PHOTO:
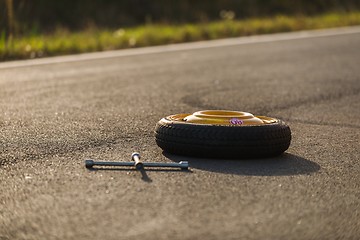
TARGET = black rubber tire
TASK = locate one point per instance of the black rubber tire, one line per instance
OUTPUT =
(237, 142)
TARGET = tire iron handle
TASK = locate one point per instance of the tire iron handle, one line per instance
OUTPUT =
(136, 158)
(90, 163)
(184, 165)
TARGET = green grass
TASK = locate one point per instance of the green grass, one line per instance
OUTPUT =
(64, 42)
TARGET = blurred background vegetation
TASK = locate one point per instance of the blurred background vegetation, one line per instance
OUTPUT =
(36, 28)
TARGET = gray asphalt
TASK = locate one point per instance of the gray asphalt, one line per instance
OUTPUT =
(56, 115)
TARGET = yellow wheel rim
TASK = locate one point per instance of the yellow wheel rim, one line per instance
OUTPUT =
(223, 117)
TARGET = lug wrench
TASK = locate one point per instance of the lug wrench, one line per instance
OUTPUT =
(184, 165)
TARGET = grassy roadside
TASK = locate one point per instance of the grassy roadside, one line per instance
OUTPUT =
(63, 42)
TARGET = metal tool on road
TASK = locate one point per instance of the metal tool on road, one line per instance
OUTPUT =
(136, 158)
(183, 165)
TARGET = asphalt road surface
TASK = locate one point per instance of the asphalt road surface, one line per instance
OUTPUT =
(57, 112)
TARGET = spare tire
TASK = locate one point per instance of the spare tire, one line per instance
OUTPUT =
(222, 134)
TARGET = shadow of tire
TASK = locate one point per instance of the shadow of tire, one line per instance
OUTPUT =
(283, 165)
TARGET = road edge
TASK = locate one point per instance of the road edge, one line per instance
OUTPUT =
(184, 46)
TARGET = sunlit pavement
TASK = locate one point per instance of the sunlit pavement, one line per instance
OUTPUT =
(54, 115)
